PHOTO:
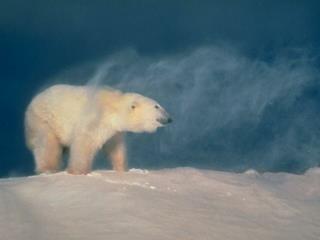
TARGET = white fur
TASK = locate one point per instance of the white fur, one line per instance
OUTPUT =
(85, 119)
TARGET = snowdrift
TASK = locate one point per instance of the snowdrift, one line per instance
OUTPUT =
(182, 203)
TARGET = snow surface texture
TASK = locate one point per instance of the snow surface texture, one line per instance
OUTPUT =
(182, 203)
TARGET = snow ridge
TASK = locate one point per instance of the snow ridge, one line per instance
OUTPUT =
(182, 203)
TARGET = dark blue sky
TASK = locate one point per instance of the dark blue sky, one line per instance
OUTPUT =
(39, 39)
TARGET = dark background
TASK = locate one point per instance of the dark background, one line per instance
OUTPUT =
(39, 39)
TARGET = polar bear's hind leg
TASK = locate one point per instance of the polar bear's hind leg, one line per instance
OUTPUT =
(45, 146)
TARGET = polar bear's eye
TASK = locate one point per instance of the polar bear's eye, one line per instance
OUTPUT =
(133, 106)
(156, 106)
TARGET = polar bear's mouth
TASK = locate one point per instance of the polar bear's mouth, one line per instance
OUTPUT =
(164, 121)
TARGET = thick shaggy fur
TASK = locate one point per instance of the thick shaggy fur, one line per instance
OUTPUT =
(86, 120)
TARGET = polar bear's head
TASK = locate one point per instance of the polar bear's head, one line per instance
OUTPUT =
(144, 114)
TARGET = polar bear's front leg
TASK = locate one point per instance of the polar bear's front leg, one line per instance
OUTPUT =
(115, 148)
(82, 153)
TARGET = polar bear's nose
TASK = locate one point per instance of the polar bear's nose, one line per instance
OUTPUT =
(164, 120)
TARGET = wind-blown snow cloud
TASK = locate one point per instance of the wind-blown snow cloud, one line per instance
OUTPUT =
(230, 112)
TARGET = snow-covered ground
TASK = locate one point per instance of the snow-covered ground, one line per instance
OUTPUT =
(177, 204)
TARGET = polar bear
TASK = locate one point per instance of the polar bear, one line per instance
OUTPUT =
(86, 119)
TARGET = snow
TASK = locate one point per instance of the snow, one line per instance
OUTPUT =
(182, 203)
